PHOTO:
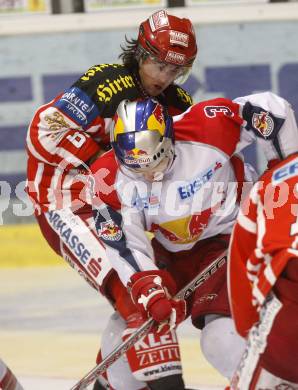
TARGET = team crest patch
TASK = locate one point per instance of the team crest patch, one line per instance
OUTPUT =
(263, 123)
(110, 231)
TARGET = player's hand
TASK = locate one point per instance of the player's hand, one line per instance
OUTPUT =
(151, 292)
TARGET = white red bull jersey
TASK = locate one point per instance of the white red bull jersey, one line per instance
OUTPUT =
(65, 133)
(264, 239)
(197, 197)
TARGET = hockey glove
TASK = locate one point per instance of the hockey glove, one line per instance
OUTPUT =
(151, 292)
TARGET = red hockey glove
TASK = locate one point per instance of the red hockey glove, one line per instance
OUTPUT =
(151, 292)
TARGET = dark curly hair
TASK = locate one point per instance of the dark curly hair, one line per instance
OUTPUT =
(129, 54)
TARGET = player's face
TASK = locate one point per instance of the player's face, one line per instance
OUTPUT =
(156, 76)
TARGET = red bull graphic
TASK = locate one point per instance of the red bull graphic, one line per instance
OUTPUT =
(110, 231)
(157, 112)
(263, 123)
(185, 230)
(136, 156)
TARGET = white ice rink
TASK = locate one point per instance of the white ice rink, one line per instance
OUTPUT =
(50, 326)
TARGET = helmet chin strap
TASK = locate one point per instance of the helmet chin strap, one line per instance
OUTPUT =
(158, 176)
(140, 86)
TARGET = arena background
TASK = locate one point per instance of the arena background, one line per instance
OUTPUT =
(50, 321)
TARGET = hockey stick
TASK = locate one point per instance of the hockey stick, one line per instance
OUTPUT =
(144, 329)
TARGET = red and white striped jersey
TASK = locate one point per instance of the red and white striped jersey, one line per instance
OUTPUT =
(264, 239)
(65, 133)
(196, 198)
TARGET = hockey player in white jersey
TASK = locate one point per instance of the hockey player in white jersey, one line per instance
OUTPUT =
(182, 180)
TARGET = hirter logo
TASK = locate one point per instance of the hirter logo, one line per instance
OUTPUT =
(178, 38)
(175, 58)
(158, 20)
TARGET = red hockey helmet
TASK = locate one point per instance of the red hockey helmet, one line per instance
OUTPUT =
(169, 39)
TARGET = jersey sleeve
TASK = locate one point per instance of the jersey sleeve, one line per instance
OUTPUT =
(214, 122)
(265, 119)
(75, 126)
(269, 121)
(263, 242)
(177, 99)
(64, 132)
(242, 246)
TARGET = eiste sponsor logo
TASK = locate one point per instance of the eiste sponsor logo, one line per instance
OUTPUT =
(188, 190)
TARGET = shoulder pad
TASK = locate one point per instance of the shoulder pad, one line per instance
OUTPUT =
(177, 98)
(107, 85)
(101, 71)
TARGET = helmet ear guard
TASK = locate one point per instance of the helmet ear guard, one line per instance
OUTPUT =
(142, 135)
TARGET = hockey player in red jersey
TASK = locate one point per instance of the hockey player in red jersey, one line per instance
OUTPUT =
(72, 130)
(184, 187)
(263, 281)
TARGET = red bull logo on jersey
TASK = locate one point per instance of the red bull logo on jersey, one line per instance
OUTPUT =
(136, 156)
(263, 123)
(110, 231)
(185, 230)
